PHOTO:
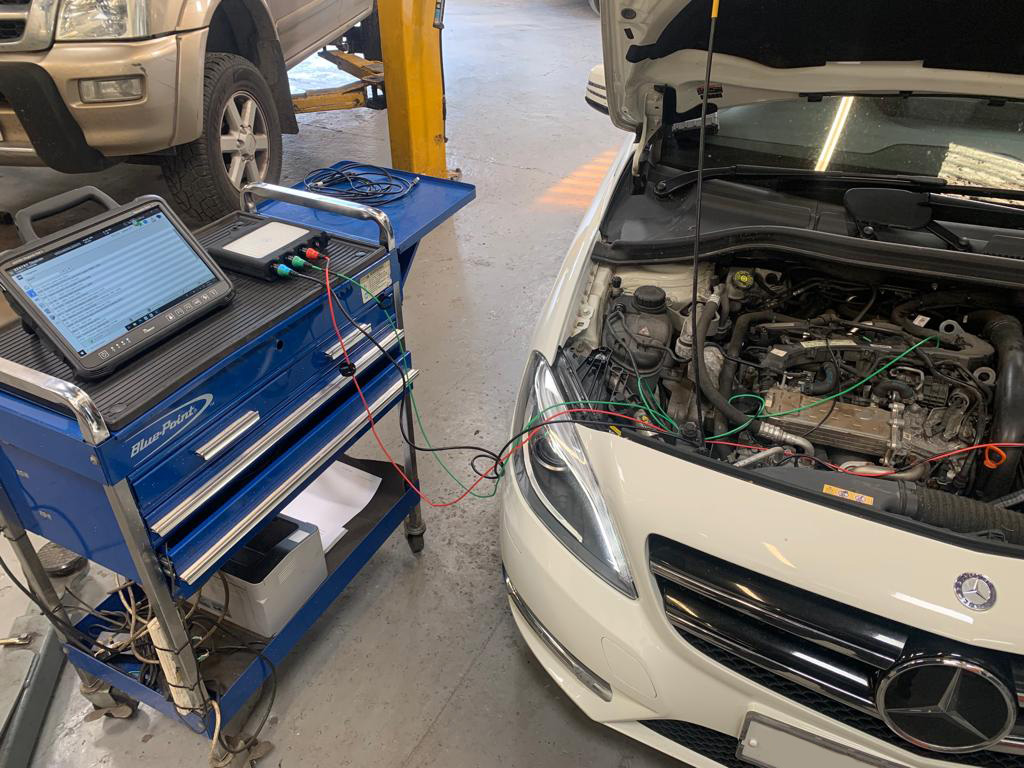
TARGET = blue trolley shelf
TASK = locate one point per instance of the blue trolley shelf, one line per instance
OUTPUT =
(249, 434)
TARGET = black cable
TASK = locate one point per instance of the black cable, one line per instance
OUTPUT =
(698, 349)
(867, 307)
(73, 634)
(740, 361)
(584, 422)
(405, 390)
(339, 303)
(492, 456)
(360, 183)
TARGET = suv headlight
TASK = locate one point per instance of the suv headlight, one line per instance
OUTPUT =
(556, 478)
(102, 19)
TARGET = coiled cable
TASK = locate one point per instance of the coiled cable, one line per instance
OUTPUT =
(360, 183)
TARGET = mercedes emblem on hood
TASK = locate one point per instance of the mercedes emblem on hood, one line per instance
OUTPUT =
(946, 704)
(975, 591)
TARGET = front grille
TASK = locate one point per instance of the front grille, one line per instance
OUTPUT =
(872, 726)
(704, 741)
(11, 30)
(814, 651)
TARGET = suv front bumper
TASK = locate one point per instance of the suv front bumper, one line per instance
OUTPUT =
(43, 120)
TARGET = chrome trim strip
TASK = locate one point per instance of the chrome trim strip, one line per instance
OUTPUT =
(1013, 745)
(247, 523)
(235, 430)
(250, 192)
(776, 618)
(202, 494)
(689, 625)
(580, 671)
(53, 390)
(13, 12)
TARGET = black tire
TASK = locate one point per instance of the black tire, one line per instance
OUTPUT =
(415, 543)
(197, 173)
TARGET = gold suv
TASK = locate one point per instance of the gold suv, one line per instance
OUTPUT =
(199, 86)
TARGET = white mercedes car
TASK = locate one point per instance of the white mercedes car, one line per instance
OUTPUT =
(768, 511)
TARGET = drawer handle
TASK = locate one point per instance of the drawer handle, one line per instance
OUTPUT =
(212, 486)
(334, 352)
(193, 572)
(235, 430)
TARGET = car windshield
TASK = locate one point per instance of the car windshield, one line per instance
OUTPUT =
(965, 141)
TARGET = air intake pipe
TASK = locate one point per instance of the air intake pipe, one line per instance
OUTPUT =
(908, 499)
(1006, 334)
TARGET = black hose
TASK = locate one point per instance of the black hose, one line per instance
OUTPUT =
(909, 499)
(1007, 335)
(882, 389)
(828, 384)
(972, 348)
(867, 307)
(707, 384)
(902, 313)
(732, 354)
(963, 515)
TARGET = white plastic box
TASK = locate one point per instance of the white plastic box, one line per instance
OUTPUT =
(271, 578)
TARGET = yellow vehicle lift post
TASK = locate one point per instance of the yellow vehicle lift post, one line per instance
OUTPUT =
(410, 36)
(413, 79)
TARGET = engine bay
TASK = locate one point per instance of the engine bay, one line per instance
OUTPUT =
(907, 389)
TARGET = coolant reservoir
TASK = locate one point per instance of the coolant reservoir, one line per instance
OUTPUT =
(639, 325)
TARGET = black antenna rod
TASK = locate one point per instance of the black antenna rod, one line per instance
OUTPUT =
(698, 349)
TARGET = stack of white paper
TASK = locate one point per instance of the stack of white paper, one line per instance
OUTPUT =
(333, 499)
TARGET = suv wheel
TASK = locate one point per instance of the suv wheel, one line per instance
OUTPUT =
(240, 143)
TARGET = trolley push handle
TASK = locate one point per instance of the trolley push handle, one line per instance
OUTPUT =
(250, 193)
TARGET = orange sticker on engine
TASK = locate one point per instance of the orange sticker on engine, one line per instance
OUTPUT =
(843, 493)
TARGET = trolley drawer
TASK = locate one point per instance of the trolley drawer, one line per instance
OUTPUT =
(209, 450)
(254, 433)
(218, 529)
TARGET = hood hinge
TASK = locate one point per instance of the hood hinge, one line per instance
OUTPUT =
(653, 106)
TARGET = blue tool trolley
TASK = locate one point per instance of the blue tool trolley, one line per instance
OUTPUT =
(165, 494)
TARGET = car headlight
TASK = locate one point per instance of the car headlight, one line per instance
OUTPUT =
(101, 19)
(556, 478)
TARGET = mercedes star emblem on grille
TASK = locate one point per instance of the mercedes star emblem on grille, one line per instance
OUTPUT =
(975, 591)
(946, 704)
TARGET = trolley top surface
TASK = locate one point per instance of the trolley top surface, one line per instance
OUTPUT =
(430, 203)
(130, 392)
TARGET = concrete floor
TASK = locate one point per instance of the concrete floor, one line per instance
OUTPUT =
(419, 663)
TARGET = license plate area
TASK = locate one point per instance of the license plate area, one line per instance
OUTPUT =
(770, 743)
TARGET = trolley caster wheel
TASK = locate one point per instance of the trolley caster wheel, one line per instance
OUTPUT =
(123, 710)
(415, 543)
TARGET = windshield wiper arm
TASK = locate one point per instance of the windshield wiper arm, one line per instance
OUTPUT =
(669, 186)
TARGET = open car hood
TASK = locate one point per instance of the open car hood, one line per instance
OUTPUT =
(784, 49)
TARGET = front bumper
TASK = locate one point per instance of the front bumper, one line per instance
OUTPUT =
(43, 120)
(664, 692)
